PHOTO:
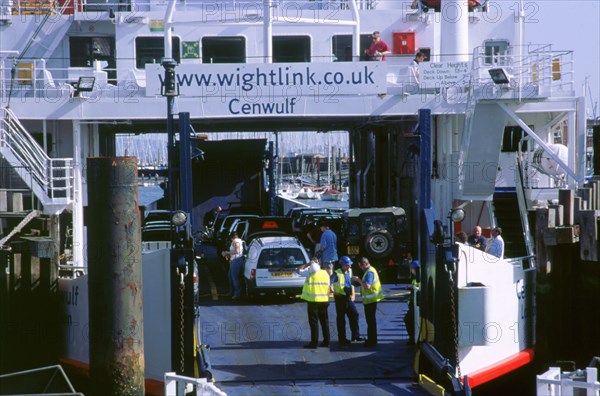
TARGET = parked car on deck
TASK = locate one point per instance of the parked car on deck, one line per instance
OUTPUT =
(222, 235)
(296, 213)
(380, 234)
(271, 264)
(252, 228)
(309, 224)
(157, 215)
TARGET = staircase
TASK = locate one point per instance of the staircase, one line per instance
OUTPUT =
(480, 149)
(50, 179)
(508, 217)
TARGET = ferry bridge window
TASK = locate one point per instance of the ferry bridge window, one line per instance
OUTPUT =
(511, 138)
(291, 49)
(223, 50)
(152, 50)
(496, 52)
(84, 50)
(342, 42)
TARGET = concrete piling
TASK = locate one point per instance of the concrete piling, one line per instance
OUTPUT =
(115, 278)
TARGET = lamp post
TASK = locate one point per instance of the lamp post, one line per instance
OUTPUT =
(455, 215)
(170, 91)
(179, 202)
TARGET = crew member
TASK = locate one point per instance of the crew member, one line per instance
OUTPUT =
(344, 295)
(370, 290)
(316, 293)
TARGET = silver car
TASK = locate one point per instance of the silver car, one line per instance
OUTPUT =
(271, 264)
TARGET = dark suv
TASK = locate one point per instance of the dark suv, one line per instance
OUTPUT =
(379, 234)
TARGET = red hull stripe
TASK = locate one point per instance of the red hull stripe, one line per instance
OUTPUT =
(502, 367)
(82, 370)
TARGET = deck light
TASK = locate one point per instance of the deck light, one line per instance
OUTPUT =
(85, 84)
(178, 218)
(457, 215)
(500, 76)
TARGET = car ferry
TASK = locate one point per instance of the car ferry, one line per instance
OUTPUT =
(482, 122)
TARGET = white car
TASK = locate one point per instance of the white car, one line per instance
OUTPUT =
(271, 264)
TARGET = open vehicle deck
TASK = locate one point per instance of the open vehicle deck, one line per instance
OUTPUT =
(257, 345)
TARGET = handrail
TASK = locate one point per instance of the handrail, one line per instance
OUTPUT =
(541, 66)
(546, 70)
(520, 189)
(53, 176)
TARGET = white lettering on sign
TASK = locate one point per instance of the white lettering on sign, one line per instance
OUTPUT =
(445, 73)
(271, 88)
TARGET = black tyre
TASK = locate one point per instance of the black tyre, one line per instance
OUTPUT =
(249, 294)
(379, 244)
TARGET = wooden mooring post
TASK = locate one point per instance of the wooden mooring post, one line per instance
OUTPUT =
(568, 281)
(115, 278)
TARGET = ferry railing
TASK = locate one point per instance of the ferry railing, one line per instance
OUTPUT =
(523, 212)
(33, 79)
(51, 179)
(181, 385)
(18, 188)
(79, 6)
(550, 70)
(554, 382)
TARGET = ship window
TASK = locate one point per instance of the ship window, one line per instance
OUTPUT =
(511, 138)
(291, 49)
(496, 52)
(152, 50)
(342, 43)
(223, 50)
(84, 50)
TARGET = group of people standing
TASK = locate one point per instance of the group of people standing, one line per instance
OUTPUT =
(320, 283)
(479, 241)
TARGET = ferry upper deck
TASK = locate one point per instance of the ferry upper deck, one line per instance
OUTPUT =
(241, 62)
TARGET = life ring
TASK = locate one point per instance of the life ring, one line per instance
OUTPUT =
(379, 243)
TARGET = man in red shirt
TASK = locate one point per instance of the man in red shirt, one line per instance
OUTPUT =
(378, 49)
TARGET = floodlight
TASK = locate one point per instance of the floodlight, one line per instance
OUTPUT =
(457, 215)
(85, 84)
(500, 76)
(178, 218)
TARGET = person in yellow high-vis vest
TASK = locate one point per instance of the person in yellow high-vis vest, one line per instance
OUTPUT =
(344, 295)
(316, 293)
(371, 292)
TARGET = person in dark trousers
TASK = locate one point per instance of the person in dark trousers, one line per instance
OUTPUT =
(316, 293)
(344, 295)
(236, 265)
(328, 247)
(371, 292)
(409, 318)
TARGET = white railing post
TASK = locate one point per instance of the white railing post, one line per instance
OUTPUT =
(592, 378)
(177, 385)
(553, 383)
(548, 383)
